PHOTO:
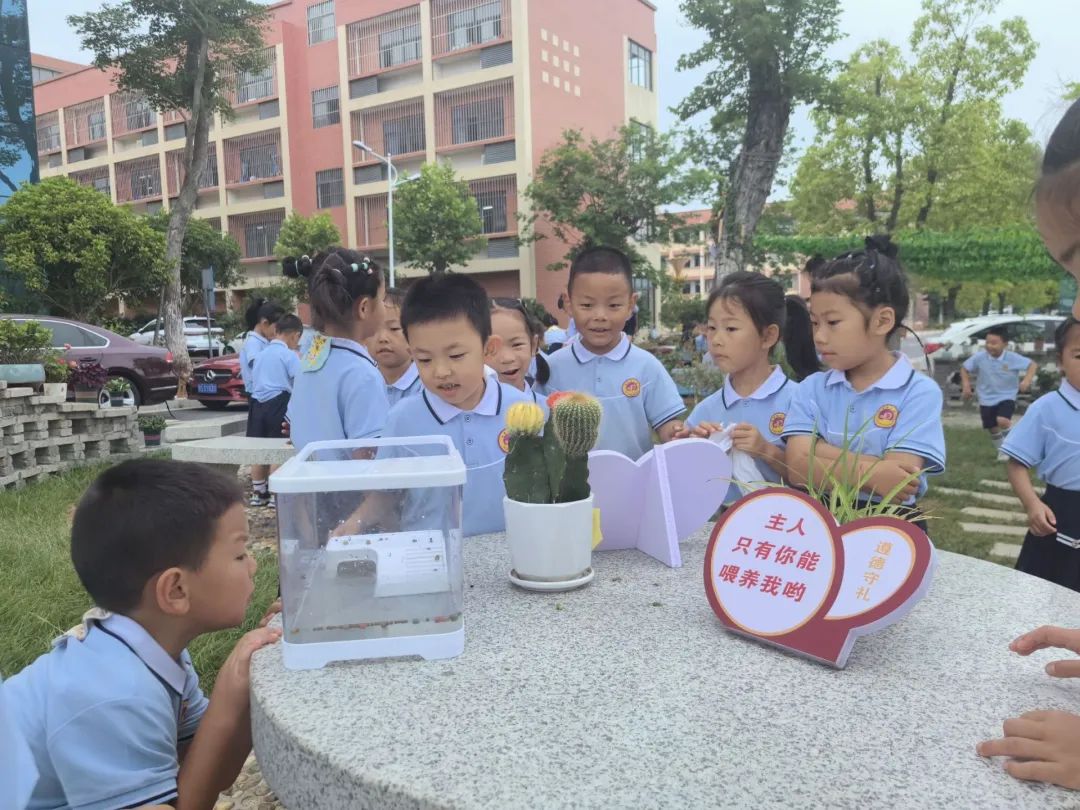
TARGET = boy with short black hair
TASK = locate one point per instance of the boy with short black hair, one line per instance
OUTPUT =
(273, 375)
(997, 383)
(447, 321)
(113, 714)
(636, 391)
(391, 351)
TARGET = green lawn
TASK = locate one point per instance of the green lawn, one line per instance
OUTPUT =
(40, 596)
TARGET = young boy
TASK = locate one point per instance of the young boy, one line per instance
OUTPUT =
(997, 374)
(390, 349)
(447, 321)
(113, 714)
(636, 391)
(273, 374)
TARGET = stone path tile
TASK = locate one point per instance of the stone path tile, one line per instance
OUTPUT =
(1001, 498)
(1010, 550)
(994, 528)
(1003, 485)
(994, 514)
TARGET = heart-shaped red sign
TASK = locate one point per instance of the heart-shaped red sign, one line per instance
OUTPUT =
(779, 569)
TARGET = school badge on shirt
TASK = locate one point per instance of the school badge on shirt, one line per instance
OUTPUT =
(776, 424)
(631, 387)
(317, 355)
(504, 440)
(886, 416)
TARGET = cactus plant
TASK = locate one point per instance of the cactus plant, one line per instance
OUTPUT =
(553, 468)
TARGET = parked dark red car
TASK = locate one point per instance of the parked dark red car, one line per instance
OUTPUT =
(217, 383)
(149, 369)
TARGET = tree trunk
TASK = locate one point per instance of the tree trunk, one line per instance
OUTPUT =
(195, 149)
(932, 169)
(898, 184)
(950, 303)
(1001, 302)
(754, 170)
(868, 166)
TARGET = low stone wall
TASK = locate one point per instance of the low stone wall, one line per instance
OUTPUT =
(43, 435)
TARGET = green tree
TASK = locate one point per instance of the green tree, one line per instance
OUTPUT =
(306, 236)
(204, 246)
(180, 54)
(18, 133)
(75, 251)
(767, 56)
(610, 192)
(437, 224)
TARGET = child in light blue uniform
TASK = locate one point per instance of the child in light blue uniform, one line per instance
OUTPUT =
(259, 318)
(997, 383)
(273, 375)
(339, 393)
(1048, 439)
(447, 320)
(749, 315)
(635, 390)
(113, 715)
(391, 352)
(519, 361)
(877, 420)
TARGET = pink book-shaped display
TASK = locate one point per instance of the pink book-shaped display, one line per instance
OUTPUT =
(661, 499)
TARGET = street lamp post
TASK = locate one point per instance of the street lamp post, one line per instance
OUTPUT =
(392, 174)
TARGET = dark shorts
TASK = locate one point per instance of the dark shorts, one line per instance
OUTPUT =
(991, 413)
(1056, 557)
(265, 418)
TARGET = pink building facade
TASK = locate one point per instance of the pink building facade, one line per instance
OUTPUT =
(487, 85)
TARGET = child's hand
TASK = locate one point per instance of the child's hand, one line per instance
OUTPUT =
(965, 394)
(1046, 637)
(1025, 386)
(271, 612)
(1041, 746)
(234, 677)
(748, 438)
(892, 474)
(1041, 520)
(701, 431)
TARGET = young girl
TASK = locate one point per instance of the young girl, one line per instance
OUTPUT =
(339, 393)
(877, 420)
(749, 316)
(520, 334)
(259, 318)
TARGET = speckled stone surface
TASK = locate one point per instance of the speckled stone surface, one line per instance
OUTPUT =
(629, 694)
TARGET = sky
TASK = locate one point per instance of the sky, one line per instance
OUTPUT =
(1037, 102)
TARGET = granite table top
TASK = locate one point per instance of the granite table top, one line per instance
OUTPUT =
(628, 693)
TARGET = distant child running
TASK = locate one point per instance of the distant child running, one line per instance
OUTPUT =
(391, 352)
(997, 382)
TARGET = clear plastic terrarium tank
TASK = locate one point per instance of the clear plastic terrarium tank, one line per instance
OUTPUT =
(370, 540)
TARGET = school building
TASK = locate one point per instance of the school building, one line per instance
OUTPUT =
(487, 85)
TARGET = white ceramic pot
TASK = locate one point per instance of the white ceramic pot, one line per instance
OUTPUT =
(55, 390)
(550, 542)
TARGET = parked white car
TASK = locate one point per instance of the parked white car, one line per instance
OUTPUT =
(199, 344)
(1025, 333)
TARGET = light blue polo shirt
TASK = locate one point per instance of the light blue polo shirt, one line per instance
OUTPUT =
(18, 773)
(104, 716)
(480, 439)
(1048, 438)
(766, 409)
(344, 398)
(254, 343)
(405, 386)
(901, 412)
(997, 379)
(274, 371)
(635, 390)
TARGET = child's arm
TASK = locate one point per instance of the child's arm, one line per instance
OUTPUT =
(880, 475)
(965, 382)
(223, 741)
(748, 438)
(671, 430)
(1025, 384)
(1041, 518)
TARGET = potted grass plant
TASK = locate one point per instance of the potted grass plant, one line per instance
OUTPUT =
(87, 376)
(56, 376)
(23, 348)
(151, 424)
(548, 504)
(118, 389)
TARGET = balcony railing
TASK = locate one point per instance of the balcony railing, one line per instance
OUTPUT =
(477, 114)
(84, 123)
(138, 180)
(393, 129)
(257, 84)
(131, 112)
(253, 158)
(48, 132)
(460, 24)
(371, 222)
(497, 199)
(174, 170)
(385, 42)
(257, 233)
(97, 179)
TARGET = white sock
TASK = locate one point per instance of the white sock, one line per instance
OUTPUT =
(259, 487)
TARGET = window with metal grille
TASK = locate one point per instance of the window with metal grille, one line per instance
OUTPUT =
(399, 46)
(492, 205)
(101, 184)
(325, 107)
(254, 84)
(475, 26)
(320, 22)
(260, 238)
(145, 181)
(48, 137)
(403, 136)
(95, 123)
(479, 121)
(330, 188)
(136, 111)
(259, 162)
(640, 64)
